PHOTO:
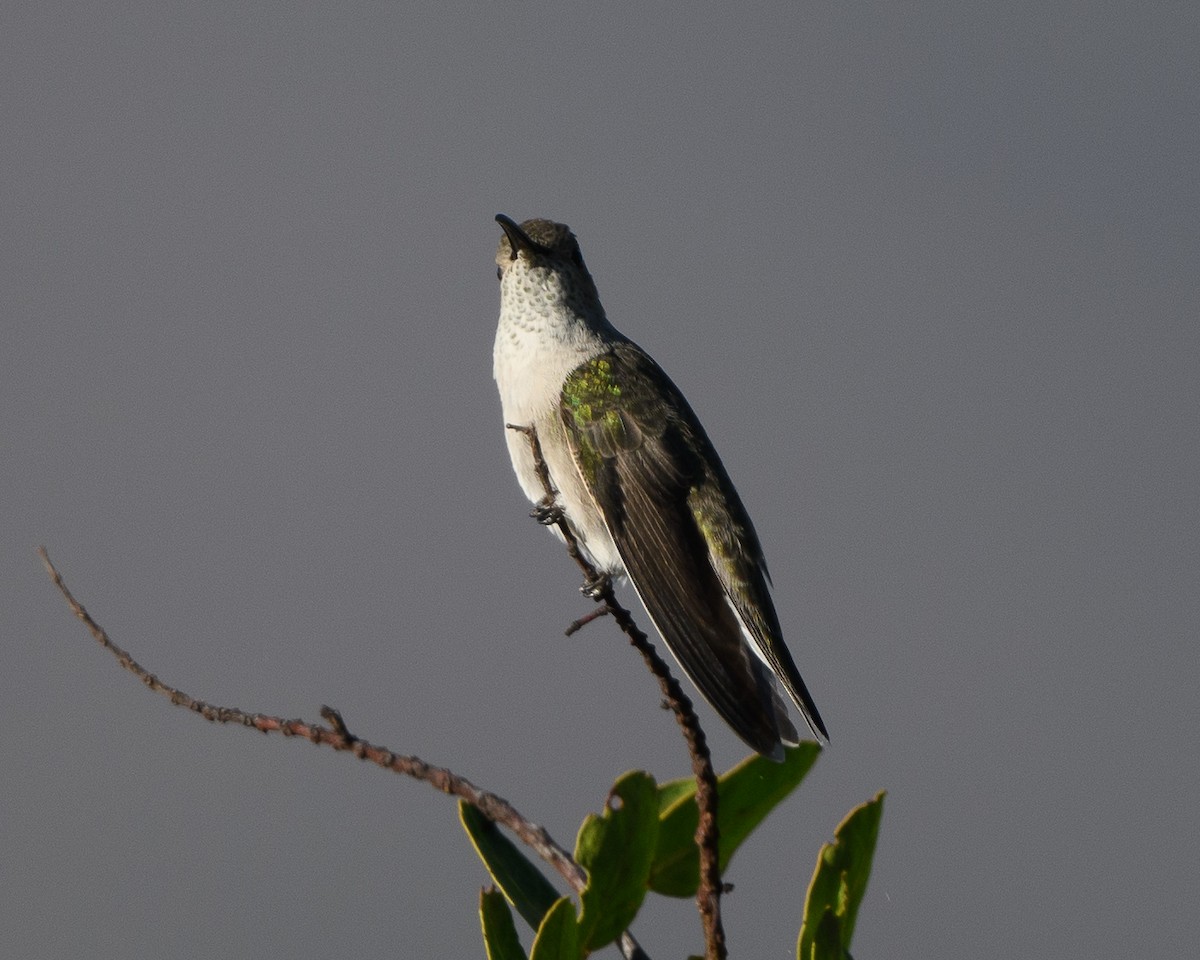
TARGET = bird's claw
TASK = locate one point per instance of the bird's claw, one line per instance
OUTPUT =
(547, 511)
(596, 587)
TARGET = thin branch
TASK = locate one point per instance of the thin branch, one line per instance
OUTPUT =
(339, 737)
(576, 625)
(708, 896)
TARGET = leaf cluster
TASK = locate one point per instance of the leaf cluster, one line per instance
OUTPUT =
(644, 841)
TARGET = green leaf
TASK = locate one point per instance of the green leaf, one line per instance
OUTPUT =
(525, 886)
(558, 936)
(673, 791)
(616, 850)
(499, 933)
(839, 882)
(827, 944)
(745, 795)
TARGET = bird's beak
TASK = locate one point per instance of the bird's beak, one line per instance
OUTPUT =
(518, 239)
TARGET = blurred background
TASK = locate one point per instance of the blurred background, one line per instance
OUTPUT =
(927, 272)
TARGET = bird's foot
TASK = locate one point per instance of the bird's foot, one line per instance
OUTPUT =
(547, 511)
(597, 587)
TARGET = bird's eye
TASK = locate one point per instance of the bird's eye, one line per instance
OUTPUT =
(499, 273)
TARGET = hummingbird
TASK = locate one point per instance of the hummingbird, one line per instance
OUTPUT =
(639, 483)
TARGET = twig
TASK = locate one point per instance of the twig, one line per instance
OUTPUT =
(708, 896)
(576, 625)
(339, 737)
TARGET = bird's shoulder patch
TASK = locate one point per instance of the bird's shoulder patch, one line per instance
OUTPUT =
(608, 402)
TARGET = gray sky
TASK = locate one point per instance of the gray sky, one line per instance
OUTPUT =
(926, 271)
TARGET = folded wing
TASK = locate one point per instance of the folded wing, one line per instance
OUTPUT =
(684, 538)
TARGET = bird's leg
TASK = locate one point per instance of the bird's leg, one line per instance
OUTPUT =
(597, 587)
(547, 511)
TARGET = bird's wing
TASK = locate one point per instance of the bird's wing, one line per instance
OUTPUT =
(637, 456)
